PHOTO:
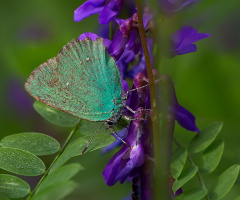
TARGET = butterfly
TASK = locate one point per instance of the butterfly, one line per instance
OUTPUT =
(82, 80)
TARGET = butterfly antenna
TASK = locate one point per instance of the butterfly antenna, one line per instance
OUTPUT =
(91, 139)
(114, 133)
(131, 90)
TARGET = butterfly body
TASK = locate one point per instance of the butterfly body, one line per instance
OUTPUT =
(82, 80)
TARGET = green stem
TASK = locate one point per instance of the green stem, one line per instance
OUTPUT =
(199, 175)
(72, 133)
(110, 31)
(161, 182)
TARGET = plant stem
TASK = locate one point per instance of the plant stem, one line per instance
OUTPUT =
(161, 164)
(199, 175)
(110, 30)
(72, 133)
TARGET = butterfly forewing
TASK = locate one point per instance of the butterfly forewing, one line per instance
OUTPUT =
(82, 80)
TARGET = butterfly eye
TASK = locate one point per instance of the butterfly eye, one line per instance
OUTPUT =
(110, 123)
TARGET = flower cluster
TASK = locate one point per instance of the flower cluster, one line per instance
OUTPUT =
(126, 48)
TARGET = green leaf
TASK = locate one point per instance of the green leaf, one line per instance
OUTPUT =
(4, 198)
(202, 140)
(36, 143)
(20, 162)
(193, 194)
(89, 128)
(76, 148)
(224, 183)
(64, 173)
(238, 198)
(178, 160)
(13, 187)
(186, 175)
(55, 116)
(211, 157)
(56, 191)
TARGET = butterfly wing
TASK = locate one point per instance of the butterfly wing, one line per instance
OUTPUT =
(82, 80)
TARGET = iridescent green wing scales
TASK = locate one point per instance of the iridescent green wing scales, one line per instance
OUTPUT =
(82, 80)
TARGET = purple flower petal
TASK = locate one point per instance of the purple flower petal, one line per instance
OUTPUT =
(134, 43)
(110, 11)
(118, 45)
(93, 37)
(107, 10)
(183, 39)
(185, 118)
(126, 26)
(131, 159)
(189, 49)
(88, 8)
(124, 85)
(107, 15)
(119, 21)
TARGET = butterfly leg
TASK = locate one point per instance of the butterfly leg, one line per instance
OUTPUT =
(131, 90)
(130, 119)
(91, 139)
(134, 111)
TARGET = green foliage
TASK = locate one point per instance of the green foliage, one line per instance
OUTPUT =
(193, 194)
(36, 143)
(20, 162)
(186, 175)
(62, 174)
(178, 160)
(209, 153)
(4, 198)
(211, 157)
(56, 191)
(55, 116)
(13, 187)
(205, 138)
(238, 198)
(76, 148)
(224, 183)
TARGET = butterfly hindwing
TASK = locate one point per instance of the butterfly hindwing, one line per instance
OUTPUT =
(82, 80)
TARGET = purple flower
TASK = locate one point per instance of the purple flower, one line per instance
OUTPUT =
(93, 36)
(183, 39)
(134, 164)
(127, 35)
(107, 9)
(126, 159)
(174, 5)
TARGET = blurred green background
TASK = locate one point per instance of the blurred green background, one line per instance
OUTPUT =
(207, 82)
